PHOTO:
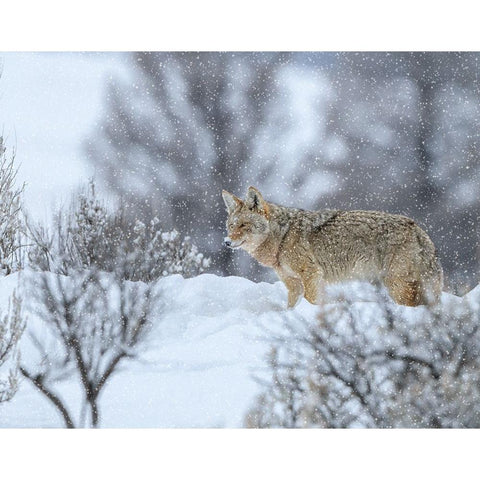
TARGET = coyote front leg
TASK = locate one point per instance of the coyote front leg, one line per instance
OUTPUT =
(294, 286)
(295, 290)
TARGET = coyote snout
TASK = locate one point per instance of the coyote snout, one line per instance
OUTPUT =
(228, 242)
(310, 249)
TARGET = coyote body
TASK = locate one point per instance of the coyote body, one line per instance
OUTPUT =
(311, 249)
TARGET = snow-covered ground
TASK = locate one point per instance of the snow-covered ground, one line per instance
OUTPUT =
(198, 366)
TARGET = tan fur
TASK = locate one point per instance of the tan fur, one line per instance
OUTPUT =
(311, 249)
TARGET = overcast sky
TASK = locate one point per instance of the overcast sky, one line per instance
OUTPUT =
(49, 102)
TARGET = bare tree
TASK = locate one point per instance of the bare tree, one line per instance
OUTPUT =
(373, 366)
(96, 321)
(12, 325)
(11, 229)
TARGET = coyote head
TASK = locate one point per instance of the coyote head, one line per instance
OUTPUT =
(247, 222)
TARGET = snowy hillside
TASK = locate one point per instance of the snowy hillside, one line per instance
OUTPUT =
(197, 367)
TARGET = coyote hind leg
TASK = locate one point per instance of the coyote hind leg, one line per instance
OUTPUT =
(404, 291)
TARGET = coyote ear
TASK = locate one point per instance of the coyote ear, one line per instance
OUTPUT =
(255, 201)
(231, 201)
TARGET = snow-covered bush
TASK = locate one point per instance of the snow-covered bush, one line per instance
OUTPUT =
(11, 329)
(388, 368)
(10, 214)
(154, 253)
(88, 236)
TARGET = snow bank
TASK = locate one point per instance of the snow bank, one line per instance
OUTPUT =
(197, 369)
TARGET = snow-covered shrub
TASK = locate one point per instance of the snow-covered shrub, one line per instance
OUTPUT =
(154, 253)
(88, 236)
(10, 214)
(11, 329)
(88, 233)
(384, 368)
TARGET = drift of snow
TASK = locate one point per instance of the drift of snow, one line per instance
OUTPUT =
(197, 367)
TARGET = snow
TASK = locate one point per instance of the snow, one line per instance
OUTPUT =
(197, 367)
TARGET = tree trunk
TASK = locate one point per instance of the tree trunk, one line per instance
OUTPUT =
(37, 382)
(428, 191)
(95, 412)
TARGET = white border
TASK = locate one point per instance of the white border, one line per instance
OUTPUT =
(238, 454)
(246, 25)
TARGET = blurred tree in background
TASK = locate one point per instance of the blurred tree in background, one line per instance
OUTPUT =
(386, 131)
(180, 132)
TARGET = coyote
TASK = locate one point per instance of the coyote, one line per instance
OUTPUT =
(309, 249)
